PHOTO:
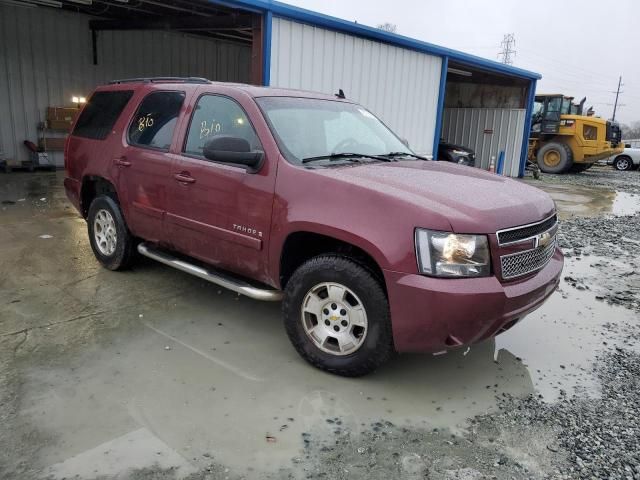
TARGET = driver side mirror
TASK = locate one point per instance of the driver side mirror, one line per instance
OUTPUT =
(233, 150)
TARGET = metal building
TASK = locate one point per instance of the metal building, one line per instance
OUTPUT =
(54, 50)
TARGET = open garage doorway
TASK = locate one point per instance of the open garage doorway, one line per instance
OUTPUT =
(56, 52)
(486, 112)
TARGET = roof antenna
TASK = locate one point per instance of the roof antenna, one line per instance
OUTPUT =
(340, 94)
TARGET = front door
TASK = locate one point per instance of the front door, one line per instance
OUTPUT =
(145, 163)
(221, 213)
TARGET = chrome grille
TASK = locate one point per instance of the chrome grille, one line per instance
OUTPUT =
(518, 234)
(529, 261)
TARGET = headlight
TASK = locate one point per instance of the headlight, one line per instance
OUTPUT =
(444, 254)
(460, 152)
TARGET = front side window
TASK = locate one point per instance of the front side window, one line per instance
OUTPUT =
(101, 113)
(154, 122)
(307, 128)
(216, 115)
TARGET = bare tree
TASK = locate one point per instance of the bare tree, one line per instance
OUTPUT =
(388, 27)
(630, 131)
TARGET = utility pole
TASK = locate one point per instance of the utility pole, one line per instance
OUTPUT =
(507, 54)
(615, 105)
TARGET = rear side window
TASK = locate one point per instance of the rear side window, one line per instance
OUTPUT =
(156, 118)
(101, 113)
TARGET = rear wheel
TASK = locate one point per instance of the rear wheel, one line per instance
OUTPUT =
(555, 157)
(337, 316)
(111, 242)
(623, 163)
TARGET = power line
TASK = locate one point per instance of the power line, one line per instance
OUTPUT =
(508, 53)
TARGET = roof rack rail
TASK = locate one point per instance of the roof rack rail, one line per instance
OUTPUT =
(161, 80)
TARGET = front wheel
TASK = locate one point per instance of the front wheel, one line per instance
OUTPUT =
(111, 242)
(623, 163)
(337, 316)
(555, 157)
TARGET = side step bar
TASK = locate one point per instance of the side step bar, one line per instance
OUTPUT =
(224, 280)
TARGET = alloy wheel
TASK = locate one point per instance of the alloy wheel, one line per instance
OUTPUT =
(334, 318)
(104, 232)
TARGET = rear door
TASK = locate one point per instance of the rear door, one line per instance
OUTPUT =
(221, 213)
(144, 163)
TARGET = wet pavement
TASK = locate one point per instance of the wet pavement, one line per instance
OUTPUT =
(152, 373)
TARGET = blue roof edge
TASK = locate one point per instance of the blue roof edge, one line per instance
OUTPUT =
(284, 10)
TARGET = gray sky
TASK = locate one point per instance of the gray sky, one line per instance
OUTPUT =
(579, 47)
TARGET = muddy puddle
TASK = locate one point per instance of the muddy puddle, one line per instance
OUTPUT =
(157, 369)
(590, 201)
(207, 376)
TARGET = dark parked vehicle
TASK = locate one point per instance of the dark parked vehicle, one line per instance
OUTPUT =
(456, 154)
(309, 198)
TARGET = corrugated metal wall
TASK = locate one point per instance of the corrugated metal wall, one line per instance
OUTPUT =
(467, 127)
(398, 85)
(46, 58)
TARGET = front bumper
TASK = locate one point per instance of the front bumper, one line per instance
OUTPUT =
(432, 314)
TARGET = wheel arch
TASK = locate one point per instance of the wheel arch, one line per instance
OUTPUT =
(303, 244)
(92, 186)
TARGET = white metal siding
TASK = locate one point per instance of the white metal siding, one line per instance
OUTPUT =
(46, 58)
(399, 85)
(466, 127)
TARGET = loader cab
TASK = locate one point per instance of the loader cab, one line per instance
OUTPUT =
(547, 111)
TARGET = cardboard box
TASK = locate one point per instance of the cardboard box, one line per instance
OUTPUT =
(59, 125)
(53, 144)
(66, 114)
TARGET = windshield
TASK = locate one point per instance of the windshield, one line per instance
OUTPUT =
(308, 128)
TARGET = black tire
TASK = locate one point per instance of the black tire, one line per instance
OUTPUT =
(377, 346)
(125, 248)
(580, 167)
(565, 157)
(623, 163)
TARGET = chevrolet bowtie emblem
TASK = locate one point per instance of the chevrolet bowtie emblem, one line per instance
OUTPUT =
(542, 240)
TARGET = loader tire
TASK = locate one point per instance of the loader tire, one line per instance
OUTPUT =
(555, 157)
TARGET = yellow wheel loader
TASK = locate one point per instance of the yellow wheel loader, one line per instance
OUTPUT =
(562, 139)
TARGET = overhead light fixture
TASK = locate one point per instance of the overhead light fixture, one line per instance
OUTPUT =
(456, 71)
(82, 2)
(78, 100)
(15, 3)
(46, 3)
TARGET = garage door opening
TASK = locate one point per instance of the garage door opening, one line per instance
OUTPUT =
(57, 52)
(485, 112)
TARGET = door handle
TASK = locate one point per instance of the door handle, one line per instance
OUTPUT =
(184, 178)
(122, 162)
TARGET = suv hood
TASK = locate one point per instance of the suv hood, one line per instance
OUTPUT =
(470, 199)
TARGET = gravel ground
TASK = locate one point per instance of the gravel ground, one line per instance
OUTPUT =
(575, 437)
(578, 436)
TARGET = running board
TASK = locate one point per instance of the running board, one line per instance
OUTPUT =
(224, 280)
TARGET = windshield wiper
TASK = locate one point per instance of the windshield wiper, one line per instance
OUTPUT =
(339, 156)
(404, 154)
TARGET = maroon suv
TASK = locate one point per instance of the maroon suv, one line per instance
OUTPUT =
(309, 198)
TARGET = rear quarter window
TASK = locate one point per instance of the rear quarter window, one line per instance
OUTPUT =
(101, 113)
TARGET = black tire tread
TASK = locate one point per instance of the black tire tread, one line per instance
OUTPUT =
(125, 253)
(340, 264)
(563, 168)
(615, 162)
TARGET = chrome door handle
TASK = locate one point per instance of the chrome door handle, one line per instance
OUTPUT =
(184, 178)
(122, 162)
